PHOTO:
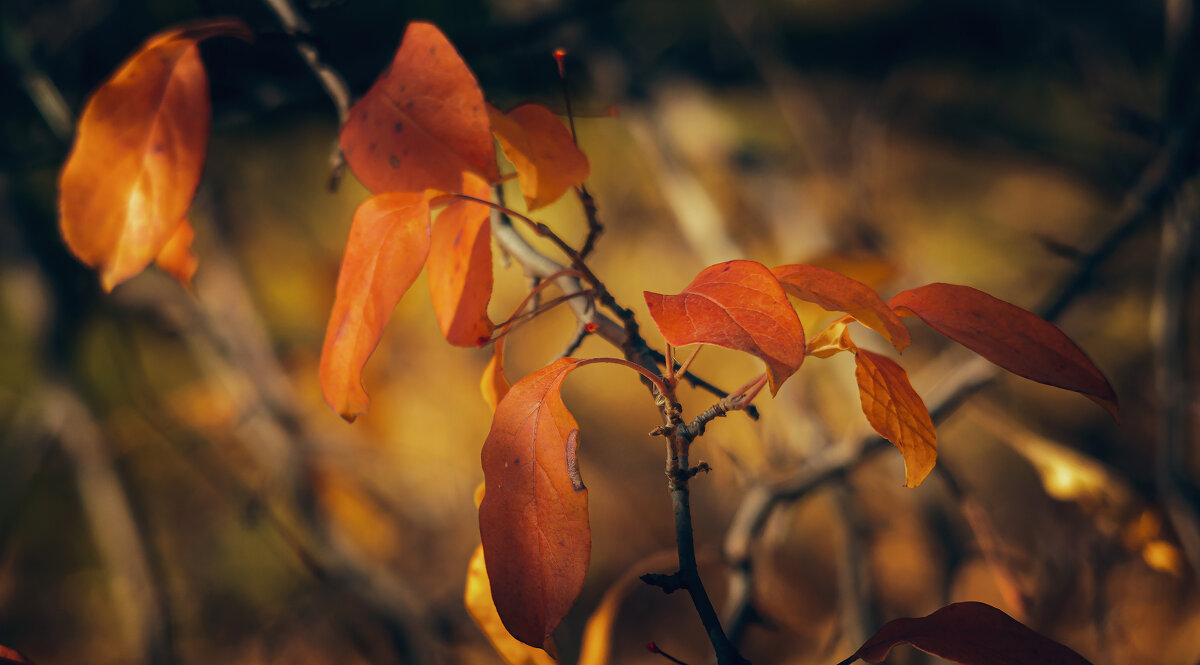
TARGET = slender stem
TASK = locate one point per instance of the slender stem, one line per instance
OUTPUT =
(688, 363)
(669, 367)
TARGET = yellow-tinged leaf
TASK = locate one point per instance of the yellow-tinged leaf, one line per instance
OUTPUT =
(547, 160)
(838, 293)
(478, 599)
(596, 648)
(493, 384)
(176, 258)
(138, 153)
(834, 339)
(460, 267)
(897, 413)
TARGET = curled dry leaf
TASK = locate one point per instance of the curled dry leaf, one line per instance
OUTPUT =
(547, 160)
(970, 633)
(534, 516)
(460, 267)
(389, 239)
(738, 305)
(478, 599)
(176, 258)
(138, 153)
(1013, 338)
(423, 123)
(838, 293)
(897, 413)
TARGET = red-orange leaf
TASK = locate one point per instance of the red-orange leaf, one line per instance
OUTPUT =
(1013, 338)
(138, 154)
(12, 657)
(541, 148)
(533, 520)
(176, 258)
(738, 305)
(423, 124)
(970, 633)
(389, 239)
(839, 293)
(460, 268)
(897, 413)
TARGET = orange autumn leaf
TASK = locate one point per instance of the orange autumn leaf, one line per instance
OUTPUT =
(389, 240)
(460, 268)
(1013, 338)
(478, 599)
(176, 258)
(547, 160)
(897, 413)
(738, 305)
(971, 633)
(834, 339)
(493, 384)
(836, 292)
(138, 153)
(533, 520)
(12, 657)
(423, 123)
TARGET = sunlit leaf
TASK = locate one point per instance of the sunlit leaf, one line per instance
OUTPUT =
(833, 339)
(897, 413)
(534, 516)
(423, 124)
(547, 160)
(389, 239)
(460, 268)
(1013, 338)
(493, 384)
(738, 305)
(837, 293)
(478, 599)
(970, 633)
(596, 648)
(176, 258)
(138, 153)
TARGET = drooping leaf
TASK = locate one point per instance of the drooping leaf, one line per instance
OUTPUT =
(493, 384)
(389, 240)
(423, 123)
(897, 413)
(138, 153)
(460, 268)
(533, 520)
(541, 148)
(738, 305)
(970, 633)
(12, 657)
(837, 293)
(478, 599)
(1013, 338)
(176, 258)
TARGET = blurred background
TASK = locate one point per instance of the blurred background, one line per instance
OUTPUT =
(174, 490)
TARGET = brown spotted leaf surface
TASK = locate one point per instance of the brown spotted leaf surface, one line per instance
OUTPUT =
(138, 153)
(389, 240)
(1013, 338)
(533, 519)
(423, 123)
(738, 305)
(970, 633)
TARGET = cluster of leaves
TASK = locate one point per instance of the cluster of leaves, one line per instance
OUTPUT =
(422, 139)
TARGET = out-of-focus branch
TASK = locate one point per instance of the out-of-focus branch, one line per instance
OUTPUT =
(114, 529)
(335, 85)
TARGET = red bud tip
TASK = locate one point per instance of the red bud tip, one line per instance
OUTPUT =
(591, 327)
(652, 647)
(559, 54)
